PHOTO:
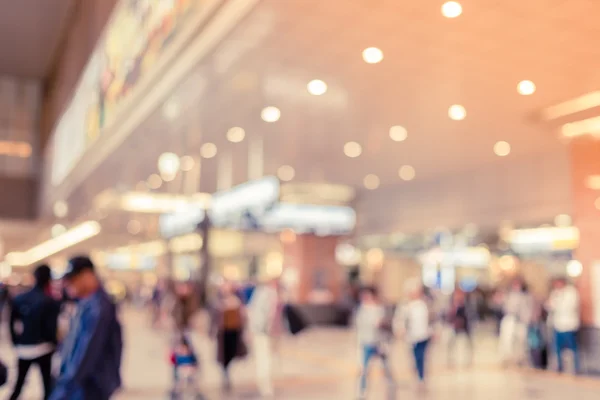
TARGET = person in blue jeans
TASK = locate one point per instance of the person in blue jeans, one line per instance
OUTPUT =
(413, 322)
(564, 306)
(370, 326)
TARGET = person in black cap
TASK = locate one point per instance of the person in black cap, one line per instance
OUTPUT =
(33, 329)
(91, 354)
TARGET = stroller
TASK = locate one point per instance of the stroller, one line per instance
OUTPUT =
(185, 372)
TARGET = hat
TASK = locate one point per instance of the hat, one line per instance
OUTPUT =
(77, 265)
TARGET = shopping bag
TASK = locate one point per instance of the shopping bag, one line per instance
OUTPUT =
(295, 320)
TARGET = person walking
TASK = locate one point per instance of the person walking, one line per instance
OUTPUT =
(264, 314)
(564, 307)
(33, 329)
(459, 321)
(370, 323)
(413, 321)
(91, 353)
(227, 327)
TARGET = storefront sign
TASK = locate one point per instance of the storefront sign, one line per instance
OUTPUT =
(254, 198)
(305, 218)
(181, 223)
(552, 239)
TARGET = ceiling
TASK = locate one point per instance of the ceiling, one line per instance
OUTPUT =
(430, 63)
(30, 33)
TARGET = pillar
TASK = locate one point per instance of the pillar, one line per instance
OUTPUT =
(585, 164)
(310, 260)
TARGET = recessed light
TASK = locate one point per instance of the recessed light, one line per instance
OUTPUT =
(154, 181)
(208, 150)
(526, 88)
(286, 173)
(371, 182)
(168, 165)
(563, 220)
(171, 109)
(502, 149)
(236, 134)
(270, 114)
(58, 229)
(457, 112)
(372, 55)
(317, 87)
(593, 182)
(187, 163)
(407, 173)
(451, 9)
(352, 149)
(60, 209)
(398, 133)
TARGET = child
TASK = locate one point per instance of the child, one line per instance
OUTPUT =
(184, 361)
(536, 340)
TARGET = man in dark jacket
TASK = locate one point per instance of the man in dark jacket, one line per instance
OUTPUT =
(91, 356)
(33, 328)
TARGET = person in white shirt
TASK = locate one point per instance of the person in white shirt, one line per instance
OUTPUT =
(265, 322)
(513, 327)
(564, 307)
(370, 321)
(413, 322)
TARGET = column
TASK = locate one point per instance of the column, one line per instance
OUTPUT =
(585, 173)
(310, 260)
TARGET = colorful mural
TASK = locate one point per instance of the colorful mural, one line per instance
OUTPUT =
(136, 37)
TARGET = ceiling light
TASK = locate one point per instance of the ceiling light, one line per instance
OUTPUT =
(270, 114)
(187, 163)
(574, 268)
(451, 9)
(57, 244)
(593, 182)
(57, 230)
(371, 181)
(407, 173)
(372, 55)
(168, 166)
(208, 150)
(526, 88)
(457, 112)
(317, 87)
(352, 149)
(398, 133)
(154, 181)
(563, 220)
(236, 134)
(60, 209)
(286, 173)
(171, 110)
(502, 149)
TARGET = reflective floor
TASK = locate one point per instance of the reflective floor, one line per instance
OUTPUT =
(321, 364)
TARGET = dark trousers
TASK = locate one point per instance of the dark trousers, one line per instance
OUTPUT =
(45, 365)
(419, 351)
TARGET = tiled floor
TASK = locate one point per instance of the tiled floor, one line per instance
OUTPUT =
(321, 364)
